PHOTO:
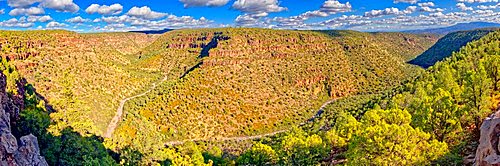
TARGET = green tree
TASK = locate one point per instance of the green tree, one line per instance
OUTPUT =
(259, 154)
(477, 92)
(386, 138)
(299, 148)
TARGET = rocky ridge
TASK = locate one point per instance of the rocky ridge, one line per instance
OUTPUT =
(24, 151)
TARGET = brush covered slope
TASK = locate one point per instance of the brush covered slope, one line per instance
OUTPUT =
(447, 45)
(239, 82)
(83, 76)
(433, 119)
(218, 83)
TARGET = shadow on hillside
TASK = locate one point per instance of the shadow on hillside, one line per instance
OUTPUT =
(67, 147)
(205, 51)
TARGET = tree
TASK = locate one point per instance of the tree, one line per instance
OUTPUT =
(477, 92)
(299, 148)
(259, 154)
(386, 138)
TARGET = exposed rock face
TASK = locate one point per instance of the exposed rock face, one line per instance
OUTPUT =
(12, 152)
(488, 151)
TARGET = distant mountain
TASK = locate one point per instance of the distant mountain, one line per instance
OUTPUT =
(454, 28)
(447, 45)
(154, 31)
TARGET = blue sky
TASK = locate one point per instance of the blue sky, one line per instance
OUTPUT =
(126, 15)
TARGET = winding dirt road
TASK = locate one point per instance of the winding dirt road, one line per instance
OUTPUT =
(244, 138)
(119, 112)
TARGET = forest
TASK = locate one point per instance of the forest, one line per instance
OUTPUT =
(212, 85)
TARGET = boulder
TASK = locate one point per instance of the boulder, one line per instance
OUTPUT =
(488, 151)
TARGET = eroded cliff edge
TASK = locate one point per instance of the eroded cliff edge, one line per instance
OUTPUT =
(13, 151)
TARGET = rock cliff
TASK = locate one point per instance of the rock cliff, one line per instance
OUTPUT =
(488, 151)
(13, 152)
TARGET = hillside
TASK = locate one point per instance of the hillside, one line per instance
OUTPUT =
(455, 28)
(83, 75)
(433, 119)
(239, 82)
(190, 84)
(447, 45)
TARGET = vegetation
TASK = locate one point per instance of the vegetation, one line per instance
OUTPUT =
(256, 81)
(431, 120)
(239, 82)
(447, 45)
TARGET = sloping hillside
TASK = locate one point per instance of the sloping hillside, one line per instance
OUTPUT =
(232, 82)
(84, 76)
(431, 120)
(447, 45)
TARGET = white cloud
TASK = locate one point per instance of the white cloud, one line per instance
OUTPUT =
(2, 11)
(484, 7)
(21, 3)
(105, 9)
(258, 6)
(406, 1)
(27, 11)
(61, 5)
(196, 3)
(426, 4)
(251, 20)
(16, 23)
(431, 10)
(477, 1)
(390, 11)
(39, 18)
(54, 24)
(463, 7)
(145, 13)
(328, 8)
(77, 19)
(334, 6)
(410, 9)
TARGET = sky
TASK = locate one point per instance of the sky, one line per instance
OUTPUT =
(133, 15)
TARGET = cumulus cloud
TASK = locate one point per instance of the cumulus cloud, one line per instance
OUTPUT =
(135, 22)
(426, 4)
(54, 24)
(197, 3)
(258, 6)
(255, 10)
(328, 8)
(27, 11)
(463, 7)
(406, 1)
(252, 20)
(145, 13)
(431, 10)
(484, 7)
(39, 18)
(390, 11)
(2, 11)
(105, 9)
(476, 1)
(16, 23)
(77, 19)
(61, 5)
(334, 6)
(21, 3)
